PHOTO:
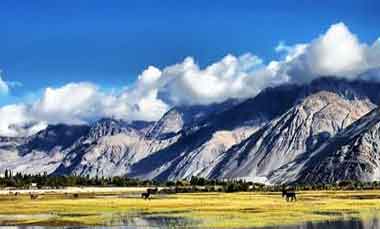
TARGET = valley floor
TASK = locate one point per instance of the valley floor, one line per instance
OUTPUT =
(213, 210)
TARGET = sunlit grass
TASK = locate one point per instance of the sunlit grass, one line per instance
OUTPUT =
(206, 209)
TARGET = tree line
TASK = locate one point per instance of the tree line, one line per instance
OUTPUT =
(195, 184)
(44, 180)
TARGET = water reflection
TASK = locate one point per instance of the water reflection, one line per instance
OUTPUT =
(159, 221)
(149, 220)
(115, 220)
(373, 223)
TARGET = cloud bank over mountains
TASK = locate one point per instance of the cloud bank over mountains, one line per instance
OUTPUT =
(338, 52)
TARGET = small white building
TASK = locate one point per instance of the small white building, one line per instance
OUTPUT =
(33, 186)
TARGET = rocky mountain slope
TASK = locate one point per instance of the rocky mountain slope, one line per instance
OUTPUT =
(301, 129)
(353, 154)
(200, 147)
(42, 152)
(108, 149)
(280, 123)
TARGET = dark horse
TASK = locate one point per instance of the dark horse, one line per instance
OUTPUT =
(149, 191)
(145, 195)
(289, 195)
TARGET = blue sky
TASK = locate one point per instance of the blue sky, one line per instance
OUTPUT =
(75, 61)
(51, 43)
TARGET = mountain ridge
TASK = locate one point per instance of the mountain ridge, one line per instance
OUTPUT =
(260, 139)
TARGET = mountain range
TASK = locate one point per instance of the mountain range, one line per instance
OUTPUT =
(324, 131)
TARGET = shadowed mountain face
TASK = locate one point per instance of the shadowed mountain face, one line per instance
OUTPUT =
(54, 136)
(277, 136)
(353, 154)
(180, 118)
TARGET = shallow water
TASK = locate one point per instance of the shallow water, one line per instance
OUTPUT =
(128, 221)
(149, 220)
(157, 221)
(373, 223)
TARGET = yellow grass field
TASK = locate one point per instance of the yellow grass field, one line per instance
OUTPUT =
(213, 210)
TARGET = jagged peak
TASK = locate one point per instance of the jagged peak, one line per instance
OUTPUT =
(109, 126)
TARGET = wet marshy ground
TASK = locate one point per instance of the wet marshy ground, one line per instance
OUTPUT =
(312, 210)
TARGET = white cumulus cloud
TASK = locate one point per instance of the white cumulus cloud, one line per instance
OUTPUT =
(338, 52)
(79, 103)
(231, 77)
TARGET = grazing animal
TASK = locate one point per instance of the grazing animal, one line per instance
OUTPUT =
(152, 190)
(289, 195)
(149, 191)
(33, 196)
(145, 195)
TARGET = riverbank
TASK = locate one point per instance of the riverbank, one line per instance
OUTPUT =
(213, 210)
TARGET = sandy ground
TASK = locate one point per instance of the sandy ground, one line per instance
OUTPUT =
(75, 190)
